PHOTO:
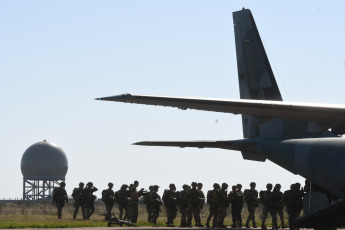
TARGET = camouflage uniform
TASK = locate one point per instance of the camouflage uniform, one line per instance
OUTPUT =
(193, 198)
(89, 199)
(213, 207)
(292, 199)
(277, 199)
(170, 203)
(133, 209)
(122, 199)
(59, 198)
(251, 198)
(183, 204)
(148, 204)
(223, 202)
(202, 201)
(79, 200)
(108, 197)
(236, 199)
(266, 200)
(156, 202)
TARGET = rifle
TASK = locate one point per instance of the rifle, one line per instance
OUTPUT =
(115, 220)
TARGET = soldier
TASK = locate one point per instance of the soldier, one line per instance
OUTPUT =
(300, 196)
(79, 200)
(194, 199)
(134, 194)
(59, 198)
(236, 199)
(170, 203)
(108, 197)
(148, 203)
(277, 198)
(122, 199)
(291, 199)
(251, 198)
(213, 207)
(202, 199)
(223, 202)
(89, 199)
(183, 204)
(156, 202)
(266, 200)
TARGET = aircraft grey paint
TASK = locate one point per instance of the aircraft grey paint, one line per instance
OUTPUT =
(295, 136)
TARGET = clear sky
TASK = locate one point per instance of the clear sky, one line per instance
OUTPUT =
(57, 56)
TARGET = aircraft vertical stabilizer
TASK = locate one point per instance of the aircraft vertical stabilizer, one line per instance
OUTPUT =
(256, 78)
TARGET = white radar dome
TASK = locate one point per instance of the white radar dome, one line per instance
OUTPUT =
(44, 160)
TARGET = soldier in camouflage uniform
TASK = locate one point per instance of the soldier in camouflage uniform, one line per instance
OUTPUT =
(213, 206)
(251, 198)
(89, 199)
(148, 203)
(108, 197)
(134, 194)
(301, 194)
(194, 199)
(59, 198)
(122, 199)
(266, 200)
(223, 202)
(202, 200)
(277, 197)
(236, 199)
(156, 202)
(170, 203)
(79, 200)
(183, 204)
(292, 199)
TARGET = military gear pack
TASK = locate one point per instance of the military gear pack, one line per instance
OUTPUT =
(59, 195)
(251, 197)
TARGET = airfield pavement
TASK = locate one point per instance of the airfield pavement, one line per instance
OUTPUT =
(144, 228)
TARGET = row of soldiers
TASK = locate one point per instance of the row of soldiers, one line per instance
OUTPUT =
(190, 201)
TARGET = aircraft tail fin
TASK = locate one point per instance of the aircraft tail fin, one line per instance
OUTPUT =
(255, 75)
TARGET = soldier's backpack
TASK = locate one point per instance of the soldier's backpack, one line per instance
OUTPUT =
(210, 197)
(165, 197)
(55, 194)
(262, 197)
(75, 193)
(104, 195)
(117, 197)
(146, 198)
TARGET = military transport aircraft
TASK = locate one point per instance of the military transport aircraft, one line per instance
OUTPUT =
(303, 138)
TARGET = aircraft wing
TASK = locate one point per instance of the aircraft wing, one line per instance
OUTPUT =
(325, 114)
(232, 145)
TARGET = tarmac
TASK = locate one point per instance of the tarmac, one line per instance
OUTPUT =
(154, 228)
(140, 228)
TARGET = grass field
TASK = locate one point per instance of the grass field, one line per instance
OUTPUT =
(44, 215)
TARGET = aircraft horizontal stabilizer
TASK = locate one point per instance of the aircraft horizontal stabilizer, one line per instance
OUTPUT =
(232, 145)
(327, 116)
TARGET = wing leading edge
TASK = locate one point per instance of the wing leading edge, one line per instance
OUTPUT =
(329, 116)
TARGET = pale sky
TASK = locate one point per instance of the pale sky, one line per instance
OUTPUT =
(57, 56)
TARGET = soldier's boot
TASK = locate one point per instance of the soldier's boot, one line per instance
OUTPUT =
(240, 225)
(283, 225)
(207, 223)
(254, 224)
(247, 224)
(263, 226)
(74, 215)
